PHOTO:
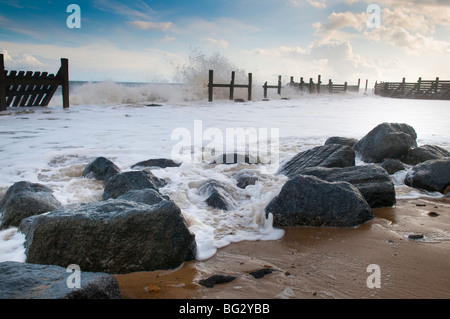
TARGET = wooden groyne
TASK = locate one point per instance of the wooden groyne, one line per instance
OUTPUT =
(310, 87)
(28, 88)
(422, 89)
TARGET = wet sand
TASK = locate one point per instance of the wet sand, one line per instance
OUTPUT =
(323, 263)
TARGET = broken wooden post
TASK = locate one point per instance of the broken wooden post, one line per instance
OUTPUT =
(250, 86)
(2, 84)
(279, 85)
(210, 85)
(318, 83)
(233, 74)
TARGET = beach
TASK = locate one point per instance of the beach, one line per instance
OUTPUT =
(322, 263)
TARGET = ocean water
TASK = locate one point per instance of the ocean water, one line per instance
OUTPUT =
(52, 146)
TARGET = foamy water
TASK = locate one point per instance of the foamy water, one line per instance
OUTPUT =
(51, 146)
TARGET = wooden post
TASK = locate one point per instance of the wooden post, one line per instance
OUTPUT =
(318, 83)
(376, 87)
(367, 82)
(2, 84)
(310, 85)
(403, 85)
(233, 74)
(437, 85)
(210, 85)
(330, 86)
(419, 84)
(265, 90)
(292, 80)
(301, 83)
(279, 84)
(250, 86)
(359, 83)
(345, 87)
(65, 82)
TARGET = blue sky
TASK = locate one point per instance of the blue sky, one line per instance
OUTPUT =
(143, 41)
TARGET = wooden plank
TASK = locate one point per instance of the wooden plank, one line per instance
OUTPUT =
(233, 74)
(26, 88)
(3, 104)
(10, 88)
(20, 88)
(34, 93)
(41, 90)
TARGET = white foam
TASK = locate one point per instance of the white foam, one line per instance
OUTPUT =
(52, 145)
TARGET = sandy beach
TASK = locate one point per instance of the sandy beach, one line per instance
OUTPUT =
(323, 263)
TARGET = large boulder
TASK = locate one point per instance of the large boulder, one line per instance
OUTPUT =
(372, 181)
(101, 168)
(387, 140)
(424, 153)
(24, 199)
(31, 281)
(157, 162)
(310, 201)
(147, 196)
(432, 175)
(218, 194)
(341, 141)
(114, 236)
(392, 166)
(332, 155)
(121, 183)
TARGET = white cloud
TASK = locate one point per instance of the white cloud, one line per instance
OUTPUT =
(148, 25)
(222, 43)
(318, 4)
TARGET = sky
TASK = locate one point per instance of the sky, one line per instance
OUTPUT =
(145, 41)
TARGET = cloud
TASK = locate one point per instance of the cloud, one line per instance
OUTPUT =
(148, 25)
(317, 4)
(222, 43)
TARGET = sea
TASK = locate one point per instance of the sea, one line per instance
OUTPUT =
(131, 122)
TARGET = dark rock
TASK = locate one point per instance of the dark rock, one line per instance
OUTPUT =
(415, 236)
(32, 281)
(134, 180)
(157, 162)
(101, 168)
(309, 201)
(332, 155)
(392, 166)
(216, 279)
(244, 179)
(235, 158)
(147, 196)
(387, 140)
(24, 199)
(219, 194)
(154, 105)
(260, 273)
(371, 180)
(432, 175)
(113, 236)
(341, 141)
(424, 153)
(433, 214)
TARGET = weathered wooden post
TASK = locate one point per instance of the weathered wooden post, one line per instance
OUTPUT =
(233, 74)
(367, 82)
(265, 90)
(2, 84)
(318, 83)
(250, 86)
(310, 85)
(65, 82)
(403, 85)
(345, 87)
(437, 85)
(330, 86)
(292, 80)
(301, 83)
(279, 85)
(359, 83)
(419, 84)
(210, 85)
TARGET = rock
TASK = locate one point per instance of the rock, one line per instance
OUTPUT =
(371, 180)
(157, 162)
(113, 236)
(387, 140)
(24, 199)
(415, 236)
(333, 155)
(134, 180)
(392, 166)
(310, 201)
(101, 168)
(431, 175)
(147, 196)
(341, 141)
(216, 279)
(235, 158)
(32, 281)
(424, 153)
(245, 178)
(218, 194)
(260, 273)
